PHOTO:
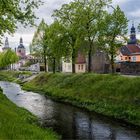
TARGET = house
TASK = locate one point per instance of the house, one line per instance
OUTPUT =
(80, 64)
(21, 51)
(35, 67)
(100, 62)
(131, 51)
(66, 65)
(130, 55)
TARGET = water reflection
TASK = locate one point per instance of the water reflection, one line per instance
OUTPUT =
(70, 122)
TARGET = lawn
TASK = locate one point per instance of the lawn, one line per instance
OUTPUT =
(111, 95)
(18, 124)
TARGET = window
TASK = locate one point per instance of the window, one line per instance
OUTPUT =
(134, 58)
(81, 67)
(78, 67)
(69, 67)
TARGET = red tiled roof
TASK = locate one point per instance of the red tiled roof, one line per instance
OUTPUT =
(133, 48)
(80, 59)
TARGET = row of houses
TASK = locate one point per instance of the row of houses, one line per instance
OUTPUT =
(127, 60)
(99, 64)
(127, 54)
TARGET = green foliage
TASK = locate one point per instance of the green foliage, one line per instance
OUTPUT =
(82, 21)
(111, 95)
(8, 57)
(39, 44)
(12, 76)
(14, 11)
(17, 123)
(113, 27)
(76, 23)
(68, 17)
(57, 42)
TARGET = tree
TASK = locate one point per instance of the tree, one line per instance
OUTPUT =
(57, 43)
(39, 42)
(82, 19)
(66, 16)
(113, 27)
(8, 57)
(14, 11)
(89, 15)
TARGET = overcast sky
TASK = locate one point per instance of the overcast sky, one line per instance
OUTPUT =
(131, 9)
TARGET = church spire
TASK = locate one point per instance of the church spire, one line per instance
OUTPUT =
(21, 40)
(133, 39)
(6, 45)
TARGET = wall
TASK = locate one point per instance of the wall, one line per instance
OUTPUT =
(80, 68)
(130, 68)
(133, 58)
(100, 62)
(66, 67)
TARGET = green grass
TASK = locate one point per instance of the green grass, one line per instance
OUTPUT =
(12, 75)
(18, 124)
(111, 95)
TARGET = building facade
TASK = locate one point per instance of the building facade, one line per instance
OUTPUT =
(21, 51)
(131, 51)
(6, 45)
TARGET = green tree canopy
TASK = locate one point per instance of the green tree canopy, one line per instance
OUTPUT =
(39, 44)
(8, 57)
(81, 19)
(14, 11)
(113, 27)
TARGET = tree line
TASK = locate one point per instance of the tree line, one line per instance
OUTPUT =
(13, 12)
(95, 22)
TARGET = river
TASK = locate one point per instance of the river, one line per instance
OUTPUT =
(68, 121)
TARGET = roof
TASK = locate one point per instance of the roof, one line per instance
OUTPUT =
(130, 49)
(80, 59)
(21, 46)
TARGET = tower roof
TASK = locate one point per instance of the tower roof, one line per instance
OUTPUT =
(6, 44)
(21, 44)
(132, 39)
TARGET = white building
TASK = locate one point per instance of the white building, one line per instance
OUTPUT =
(35, 67)
(66, 66)
(80, 64)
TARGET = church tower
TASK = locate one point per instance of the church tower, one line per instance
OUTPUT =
(132, 39)
(6, 45)
(21, 52)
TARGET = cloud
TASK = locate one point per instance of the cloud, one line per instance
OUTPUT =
(130, 8)
(135, 13)
(46, 10)
(119, 2)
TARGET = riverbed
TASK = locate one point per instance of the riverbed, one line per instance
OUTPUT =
(68, 121)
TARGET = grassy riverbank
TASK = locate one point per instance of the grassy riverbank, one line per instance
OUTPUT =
(12, 75)
(17, 123)
(111, 95)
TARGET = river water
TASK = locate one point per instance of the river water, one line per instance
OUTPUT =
(66, 120)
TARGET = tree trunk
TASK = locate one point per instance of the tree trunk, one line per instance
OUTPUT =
(54, 65)
(73, 60)
(112, 58)
(112, 64)
(89, 59)
(45, 63)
